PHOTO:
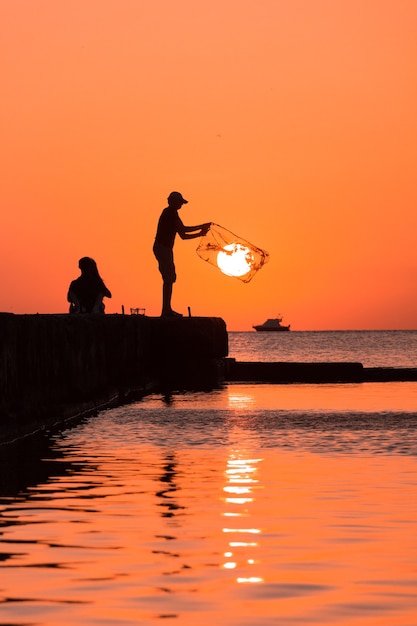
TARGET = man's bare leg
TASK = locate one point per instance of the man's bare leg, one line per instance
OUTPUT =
(166, 301)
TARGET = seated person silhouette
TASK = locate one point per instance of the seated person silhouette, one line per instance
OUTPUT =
(86, 292)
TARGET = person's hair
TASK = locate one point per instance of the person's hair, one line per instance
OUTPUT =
(87, 264)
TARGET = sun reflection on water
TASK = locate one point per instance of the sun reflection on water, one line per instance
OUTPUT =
(241, 479)
(238, 399)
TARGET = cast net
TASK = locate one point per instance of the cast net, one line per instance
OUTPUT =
(233, 255)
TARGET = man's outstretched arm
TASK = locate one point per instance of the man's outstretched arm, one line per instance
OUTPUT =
(192, 232)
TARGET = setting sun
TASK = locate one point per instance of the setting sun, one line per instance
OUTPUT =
(233, 255)
(235, 260)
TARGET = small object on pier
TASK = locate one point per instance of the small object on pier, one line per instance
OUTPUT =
(189, 311)
(137, 311)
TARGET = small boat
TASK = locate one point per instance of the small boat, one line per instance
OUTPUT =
(272, 325)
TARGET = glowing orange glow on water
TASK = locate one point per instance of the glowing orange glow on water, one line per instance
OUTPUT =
(242, 478)
(137, 522)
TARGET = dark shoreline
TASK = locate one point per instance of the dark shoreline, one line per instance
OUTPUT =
(316, 372)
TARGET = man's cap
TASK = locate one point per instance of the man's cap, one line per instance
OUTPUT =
(175, 196)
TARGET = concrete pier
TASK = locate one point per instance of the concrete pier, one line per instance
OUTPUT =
(321, 372)
(55, 367)
(241, 371)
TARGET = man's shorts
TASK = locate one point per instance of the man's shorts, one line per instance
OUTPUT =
(166, 265)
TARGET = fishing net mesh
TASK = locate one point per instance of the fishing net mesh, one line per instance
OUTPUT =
(233, 255)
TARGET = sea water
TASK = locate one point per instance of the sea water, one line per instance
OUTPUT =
(371, 348)
(251, 505)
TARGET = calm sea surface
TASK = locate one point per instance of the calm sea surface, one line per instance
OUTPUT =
(371, 348)
(251, 505)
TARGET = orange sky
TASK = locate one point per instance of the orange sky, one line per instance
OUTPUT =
(293, 124)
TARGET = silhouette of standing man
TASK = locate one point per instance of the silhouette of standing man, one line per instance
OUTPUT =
(168, 226)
